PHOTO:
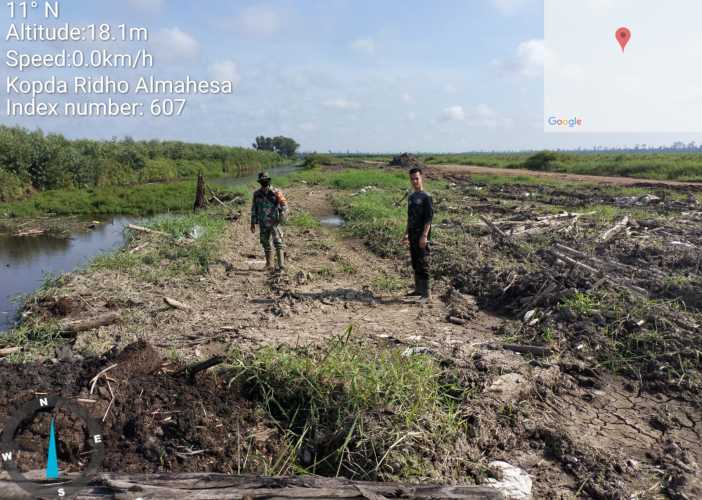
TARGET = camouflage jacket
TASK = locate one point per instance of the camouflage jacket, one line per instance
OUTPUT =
(268, 207)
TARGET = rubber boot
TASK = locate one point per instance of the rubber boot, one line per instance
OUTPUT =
(280, 257)
(415, 292)
(425, 289)
(269, 260)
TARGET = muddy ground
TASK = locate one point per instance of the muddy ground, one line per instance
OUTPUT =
(585, 421)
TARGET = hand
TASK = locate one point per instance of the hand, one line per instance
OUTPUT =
(404, 240)
(253, 228)
(423, 242)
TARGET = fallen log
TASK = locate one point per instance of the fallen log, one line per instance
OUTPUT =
(177, 305)
(141, 229)
(220, 486)
(528, 349)
(9, 350)
(29, 232)
(613, 231)
(70, 328)
(192, 370)
(139, 248)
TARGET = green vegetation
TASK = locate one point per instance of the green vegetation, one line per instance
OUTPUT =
(649, 165)
(357, 412)
(194, 241)
(284, 146)
(147, 199)
(304, 220)
(32, 160)
(389, 283)
(580, 303)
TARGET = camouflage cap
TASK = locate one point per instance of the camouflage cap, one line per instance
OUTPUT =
(264, 177)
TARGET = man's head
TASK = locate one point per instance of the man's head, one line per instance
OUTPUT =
(416, 179)
(264, 180)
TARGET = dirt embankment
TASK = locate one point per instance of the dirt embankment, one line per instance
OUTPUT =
(576, 428)
(559, 176)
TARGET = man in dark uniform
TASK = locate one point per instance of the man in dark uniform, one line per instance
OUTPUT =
(268, 209)
(420, 213)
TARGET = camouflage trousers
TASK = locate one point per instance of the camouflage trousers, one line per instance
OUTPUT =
(271, 232)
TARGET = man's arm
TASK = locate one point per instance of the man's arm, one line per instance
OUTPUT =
(405, 238)
(254, 216)
(428, 218)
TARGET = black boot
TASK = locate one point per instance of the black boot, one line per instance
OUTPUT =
(425, 289)
(415, 292)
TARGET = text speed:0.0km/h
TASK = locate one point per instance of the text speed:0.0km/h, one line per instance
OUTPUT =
(168, 107)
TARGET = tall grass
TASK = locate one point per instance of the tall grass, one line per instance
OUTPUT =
(348, 407)
(147, 199)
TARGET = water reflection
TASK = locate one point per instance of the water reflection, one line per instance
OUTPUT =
(24, 262)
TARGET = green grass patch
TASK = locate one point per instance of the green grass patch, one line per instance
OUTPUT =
(581, 303)
(304, 220)
(144, 200)
(387, 283)
(353, 406)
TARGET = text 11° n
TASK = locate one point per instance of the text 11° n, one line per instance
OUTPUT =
(23, 9)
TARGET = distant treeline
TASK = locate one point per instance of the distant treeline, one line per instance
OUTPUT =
(32, 160)
(643, 164)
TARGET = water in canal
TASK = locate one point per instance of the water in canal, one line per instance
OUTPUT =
(26, 261)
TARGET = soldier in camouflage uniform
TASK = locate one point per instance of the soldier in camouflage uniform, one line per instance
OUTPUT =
(268, 210)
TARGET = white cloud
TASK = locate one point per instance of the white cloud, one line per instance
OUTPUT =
(411, 116)
(508, 6)
(174, 43)
(259, 21)
(341, 104)
(406, 97)
(364, 45)
(528, 61)
(147, 5)
(481, 115)
(453, 113)
(226, 70)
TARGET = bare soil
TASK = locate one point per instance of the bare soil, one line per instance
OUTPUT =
(593, 179)
(577, 429)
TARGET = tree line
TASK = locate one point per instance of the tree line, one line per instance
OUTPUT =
(32, 160)
(284, 146)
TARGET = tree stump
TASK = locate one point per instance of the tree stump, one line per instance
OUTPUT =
(200, 200)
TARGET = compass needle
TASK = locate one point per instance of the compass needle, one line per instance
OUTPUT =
(71, 417)
(52, 470)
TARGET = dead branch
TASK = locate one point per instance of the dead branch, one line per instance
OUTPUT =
(71, 328)
(9, 350)
(142, 229)
(192, 370)
(139, 248)
(528, 349)
(221, 486)
(94, 380)
(176, 305)
(613, 231)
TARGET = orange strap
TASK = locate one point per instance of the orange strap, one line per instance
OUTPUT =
(281, 198)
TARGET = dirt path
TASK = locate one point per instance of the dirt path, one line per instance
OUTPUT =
(588, 424)
(594, 179)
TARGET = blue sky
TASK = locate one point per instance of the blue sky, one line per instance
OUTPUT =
(358, 75)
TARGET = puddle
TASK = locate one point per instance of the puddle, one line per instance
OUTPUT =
(332, 221)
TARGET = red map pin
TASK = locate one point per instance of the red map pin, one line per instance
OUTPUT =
(623, 37)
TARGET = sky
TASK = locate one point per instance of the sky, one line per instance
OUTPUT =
(341, 75)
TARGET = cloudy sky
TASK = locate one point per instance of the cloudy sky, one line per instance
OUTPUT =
(358, 75)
